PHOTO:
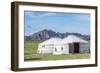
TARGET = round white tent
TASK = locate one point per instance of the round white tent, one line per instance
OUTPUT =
(69, 43)
(49, 45)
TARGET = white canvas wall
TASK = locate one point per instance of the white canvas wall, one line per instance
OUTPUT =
(65, 48)
(84, 48)
(45, 49)
(57, 49)
(61, 49)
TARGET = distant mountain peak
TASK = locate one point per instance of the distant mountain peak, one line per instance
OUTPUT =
(46, 34)
(45, 30)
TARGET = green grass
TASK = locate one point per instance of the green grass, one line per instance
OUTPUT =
(30, 47)
(56, 57)
(30, 53)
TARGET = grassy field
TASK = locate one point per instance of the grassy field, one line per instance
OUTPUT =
(30, 53)
(30, 47)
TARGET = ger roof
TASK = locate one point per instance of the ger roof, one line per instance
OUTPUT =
(53, 40)
(69, 39)
(72, 39)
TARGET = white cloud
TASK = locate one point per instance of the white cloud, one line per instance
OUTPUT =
(48, 14)
(32, 14)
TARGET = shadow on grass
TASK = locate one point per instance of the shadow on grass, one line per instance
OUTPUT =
(32, 59)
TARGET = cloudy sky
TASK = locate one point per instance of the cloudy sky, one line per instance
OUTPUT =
(35, 21)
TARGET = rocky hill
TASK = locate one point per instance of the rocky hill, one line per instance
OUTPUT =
(46, 34)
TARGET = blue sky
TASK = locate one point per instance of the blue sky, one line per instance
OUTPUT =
(35, 21)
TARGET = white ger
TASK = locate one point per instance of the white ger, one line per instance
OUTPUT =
(71, 44)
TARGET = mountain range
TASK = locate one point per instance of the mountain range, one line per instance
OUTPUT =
(46, 34)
